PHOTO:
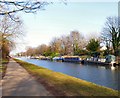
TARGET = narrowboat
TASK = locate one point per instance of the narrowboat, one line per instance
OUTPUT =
(71, 59)
(59, 59)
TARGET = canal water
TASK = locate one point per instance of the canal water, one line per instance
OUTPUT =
(100, 75)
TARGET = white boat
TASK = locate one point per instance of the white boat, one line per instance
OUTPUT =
(58, 59)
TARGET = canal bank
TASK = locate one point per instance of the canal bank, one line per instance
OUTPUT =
(61, 84)
(101, 75)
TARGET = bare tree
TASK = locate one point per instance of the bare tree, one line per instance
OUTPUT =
(30, 51)
(77, 40)
(67, 43)
(111, 32)
(40, 50)
(55, 45)
(9, 32)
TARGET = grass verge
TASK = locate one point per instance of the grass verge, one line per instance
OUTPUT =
(3, 67)
(63, 85)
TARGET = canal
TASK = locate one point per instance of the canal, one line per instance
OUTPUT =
(100, 75)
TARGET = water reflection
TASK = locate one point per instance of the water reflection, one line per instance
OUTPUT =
(105, 67)
(112, 68)
(102, 75)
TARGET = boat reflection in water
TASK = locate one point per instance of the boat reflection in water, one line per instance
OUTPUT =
(104, 75)
(107, 67)
(112, 65)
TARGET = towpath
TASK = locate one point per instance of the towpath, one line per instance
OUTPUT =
(18, 82)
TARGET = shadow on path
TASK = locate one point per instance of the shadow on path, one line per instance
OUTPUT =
(18, 82)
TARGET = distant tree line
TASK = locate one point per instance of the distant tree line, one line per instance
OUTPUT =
(76, 44)
(73, 44)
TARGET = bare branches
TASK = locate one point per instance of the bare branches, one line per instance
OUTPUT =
(11, 7)
(111, 32)
(10, 29)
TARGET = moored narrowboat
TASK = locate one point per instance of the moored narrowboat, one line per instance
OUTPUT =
(58, 59)
(71, 59)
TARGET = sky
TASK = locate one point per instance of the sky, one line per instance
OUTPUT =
(60, 19)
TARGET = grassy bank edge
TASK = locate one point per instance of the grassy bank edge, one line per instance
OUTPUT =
(60, 84)
(3, 67)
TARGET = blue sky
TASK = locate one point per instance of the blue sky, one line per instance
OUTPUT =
(59, 19)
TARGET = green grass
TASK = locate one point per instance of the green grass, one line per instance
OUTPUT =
(5, 61)
(3, 67)
(85, 56)
(64, 84)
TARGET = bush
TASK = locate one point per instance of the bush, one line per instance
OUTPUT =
(95, 54)
(81, 52)
(117, 52)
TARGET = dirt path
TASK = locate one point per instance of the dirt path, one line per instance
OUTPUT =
(18, 82)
